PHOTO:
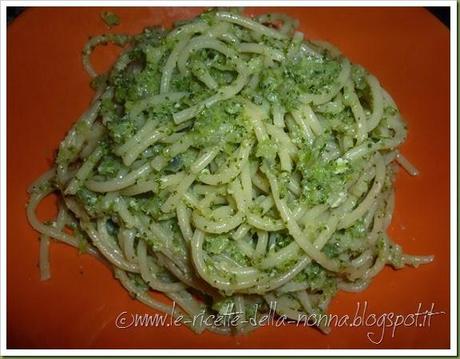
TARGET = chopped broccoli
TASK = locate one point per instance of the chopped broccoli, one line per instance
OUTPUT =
(309, 75)
(120, 130)
(323, 180)
(149, 204)
(219, 124)
(141, 78)
(110, 18)
(279, 240)
(267, 149)
(342, 122)
(317, 278)
(346, 244)
(215, 244)
(223, 245)
(110, 166)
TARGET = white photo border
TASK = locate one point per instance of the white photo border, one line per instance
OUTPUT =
(453, 351)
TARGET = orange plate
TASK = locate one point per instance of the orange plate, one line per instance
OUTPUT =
(406, 48)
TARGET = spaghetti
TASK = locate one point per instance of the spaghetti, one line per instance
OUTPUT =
(229, 163)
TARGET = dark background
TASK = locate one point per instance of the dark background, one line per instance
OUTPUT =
(441, 12)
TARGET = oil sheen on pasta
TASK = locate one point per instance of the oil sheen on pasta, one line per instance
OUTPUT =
(230, 164)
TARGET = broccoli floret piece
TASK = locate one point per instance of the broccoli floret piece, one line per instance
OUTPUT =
(110, 18)
(320, 184)
(286, 83)
(267, 149)
(224, 245)
(147, 82)
(313, 74)
(219, 124)
(323, 179)
(152, 206)
(215, 244)
(121, 130)
(342, 122)
(141, 78)
(110, 166)
(346, 244)
(318, 279)
(280, 240)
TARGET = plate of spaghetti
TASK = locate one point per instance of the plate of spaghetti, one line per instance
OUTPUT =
(228, 178)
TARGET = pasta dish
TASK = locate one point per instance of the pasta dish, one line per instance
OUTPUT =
(229, 164)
